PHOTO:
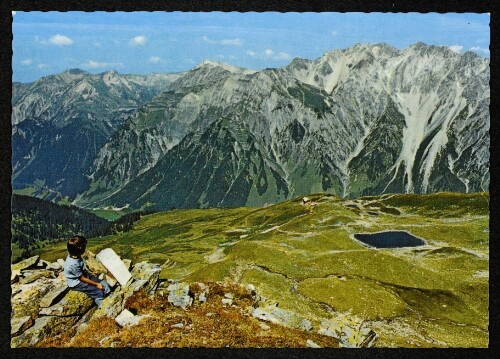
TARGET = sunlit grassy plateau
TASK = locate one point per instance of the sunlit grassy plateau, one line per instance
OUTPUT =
(435, 295)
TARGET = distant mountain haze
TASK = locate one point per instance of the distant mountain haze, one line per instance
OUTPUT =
(365, 120)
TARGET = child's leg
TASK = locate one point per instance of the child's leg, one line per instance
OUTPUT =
(105, 284)
(93, 292)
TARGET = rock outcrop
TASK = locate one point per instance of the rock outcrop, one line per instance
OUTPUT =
(45, 308)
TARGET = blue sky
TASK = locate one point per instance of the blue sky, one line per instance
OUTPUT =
(146, 42)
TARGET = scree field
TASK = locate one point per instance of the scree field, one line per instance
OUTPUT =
(307, 259)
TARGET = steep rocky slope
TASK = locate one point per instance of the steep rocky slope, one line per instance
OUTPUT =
(369, 119)
(365, 120)
(60, 122)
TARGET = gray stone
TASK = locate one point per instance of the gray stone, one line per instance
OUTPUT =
(54, 295)
(228, 296)
(25, 264)
(32, 276)
(203, 297)
(73, 304)
(112, 305)
(227, 301)
(149, 272)
(94, 265)
(138, 284)
(111, 280)
(178, 325)
(27, 301)
(54, 266)
(126, 318)
(283, 317)
(311, 344)
(178, 295)
(44, 327)
(349, 330)
(19, 325)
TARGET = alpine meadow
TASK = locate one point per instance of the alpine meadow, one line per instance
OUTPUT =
(334, 201)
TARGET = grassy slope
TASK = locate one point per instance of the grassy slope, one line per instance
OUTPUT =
(436, 295)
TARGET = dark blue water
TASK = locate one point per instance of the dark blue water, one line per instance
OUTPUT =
(391, 239)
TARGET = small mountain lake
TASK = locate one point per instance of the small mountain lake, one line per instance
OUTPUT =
(389, 239)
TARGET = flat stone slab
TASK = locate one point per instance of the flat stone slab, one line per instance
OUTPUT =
(54, 295)
(114, 265)
(19, 325)
(73, 304)
(25, 264)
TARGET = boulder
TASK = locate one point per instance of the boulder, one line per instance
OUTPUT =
(178, 295)
(227, 301)
(203, 297)
(110, 280)
(26, 301)
(54, 266)
(44, 327)
(73, 304)
(94, 265)
(149, 272)
(25, 264)
(349, 330)
(20, 324)
(126, 318)
(54, 295)
(112, 305)
(34, 275)
(281, 316)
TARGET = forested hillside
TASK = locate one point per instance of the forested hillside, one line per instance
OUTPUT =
(36, 222)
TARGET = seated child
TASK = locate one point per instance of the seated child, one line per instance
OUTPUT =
(77, 274)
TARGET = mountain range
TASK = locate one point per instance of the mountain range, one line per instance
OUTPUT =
(365, 120)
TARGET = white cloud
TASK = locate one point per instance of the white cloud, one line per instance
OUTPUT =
(27, 62)
(42, 66)
(480, 49)
(60, 40)
(138, 40)
(229, 42)
(269, 54)
(456, 48)
(91, 64)
(155, 59)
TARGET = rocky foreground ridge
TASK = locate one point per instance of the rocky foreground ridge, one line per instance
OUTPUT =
(46, 313)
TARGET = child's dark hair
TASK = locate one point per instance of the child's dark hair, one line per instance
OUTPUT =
(76, 245)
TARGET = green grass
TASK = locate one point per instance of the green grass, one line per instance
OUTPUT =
(308, 261)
